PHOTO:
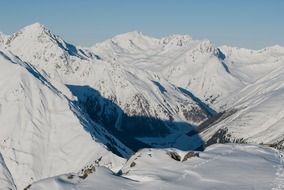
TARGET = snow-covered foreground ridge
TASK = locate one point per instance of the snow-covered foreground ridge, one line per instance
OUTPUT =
(218, 167)
(63, 108)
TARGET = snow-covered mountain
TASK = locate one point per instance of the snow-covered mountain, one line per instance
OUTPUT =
(244, 84)
(258, 116)
(43, 48)
(184, 62)
(66, 111)
(6, 179)
(124, 99)
(42, 132)
(220, 167)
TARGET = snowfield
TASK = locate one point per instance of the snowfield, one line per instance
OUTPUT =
(41, 136)
(260, 115)
(136, 112)
(218, 167)
(6, 179)
(121, 92)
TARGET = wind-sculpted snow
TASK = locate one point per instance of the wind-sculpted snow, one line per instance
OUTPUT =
(260, 117)
(41, 135)
(220, 167)
(149, 106)
(186, 63)
(47, 137)
(64, 108)
(6, 179)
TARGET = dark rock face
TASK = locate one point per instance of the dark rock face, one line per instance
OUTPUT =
(174, 156)
(196, 115)
(177, 157)
(278, 145)
(28, 187)
(85, 172)
(215, 119)
(219, 137)
(139, 106)
(132, 164)
(222, 136)
(190, 155)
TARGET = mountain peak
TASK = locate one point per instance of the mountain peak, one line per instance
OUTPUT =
(130, 41)
(275, 48)
(131, 36)
(30, 33)
(134, 33)
(35, 25)
(36, 28)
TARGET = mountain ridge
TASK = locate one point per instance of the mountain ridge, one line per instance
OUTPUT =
(41, 124)
(128, 93)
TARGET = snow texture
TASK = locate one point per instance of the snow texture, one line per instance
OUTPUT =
(71, 117)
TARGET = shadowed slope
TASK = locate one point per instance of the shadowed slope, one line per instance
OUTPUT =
(136, 131)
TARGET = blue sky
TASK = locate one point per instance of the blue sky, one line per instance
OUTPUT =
(243, 23)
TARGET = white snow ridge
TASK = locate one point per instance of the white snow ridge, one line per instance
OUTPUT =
(137, 112)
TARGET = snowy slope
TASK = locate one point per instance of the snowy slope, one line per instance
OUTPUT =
(130, 92)
(246, 84)
(250, 65)
(259, 117)
(218, 167)
(191, 64)
(250, 81)
(127, 93)
(42, 132)
(169, 79)
(6, 179)
(45, 49)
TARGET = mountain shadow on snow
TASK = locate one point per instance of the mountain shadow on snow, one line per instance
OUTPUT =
(130, 129)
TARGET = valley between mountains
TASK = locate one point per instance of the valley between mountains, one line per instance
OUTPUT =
(138, 112)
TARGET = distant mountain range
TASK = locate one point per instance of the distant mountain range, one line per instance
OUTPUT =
(67, 112)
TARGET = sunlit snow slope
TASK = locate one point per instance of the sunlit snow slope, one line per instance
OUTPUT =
(6, 179)
(258, 115)
(42, 133)
(218, 167)
(64, 108)
(125, 99)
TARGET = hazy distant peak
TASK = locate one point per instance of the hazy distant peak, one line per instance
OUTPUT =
(275, 48)
(271, 50)
(134, 33)
(134, 36)
(35, 25)
(36, 29)
(130, 41)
